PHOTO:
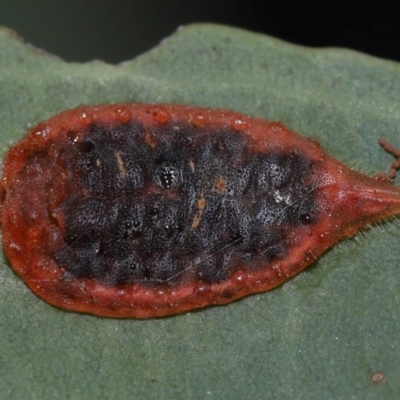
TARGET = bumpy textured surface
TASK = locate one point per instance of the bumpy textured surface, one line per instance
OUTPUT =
(148, 210)
(194, 203)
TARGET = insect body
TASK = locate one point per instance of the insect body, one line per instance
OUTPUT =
(135, 210)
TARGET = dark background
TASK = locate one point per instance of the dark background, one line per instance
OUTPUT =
(118, 30)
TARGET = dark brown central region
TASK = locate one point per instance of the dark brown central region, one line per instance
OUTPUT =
(179, 203)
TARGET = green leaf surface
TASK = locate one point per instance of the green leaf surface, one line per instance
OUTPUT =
(322, 335)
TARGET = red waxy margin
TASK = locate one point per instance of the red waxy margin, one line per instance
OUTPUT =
(349, 200)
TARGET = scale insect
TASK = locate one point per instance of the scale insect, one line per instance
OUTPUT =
(139, 210)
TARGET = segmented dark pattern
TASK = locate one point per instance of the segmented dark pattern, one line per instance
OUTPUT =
(181, 201)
